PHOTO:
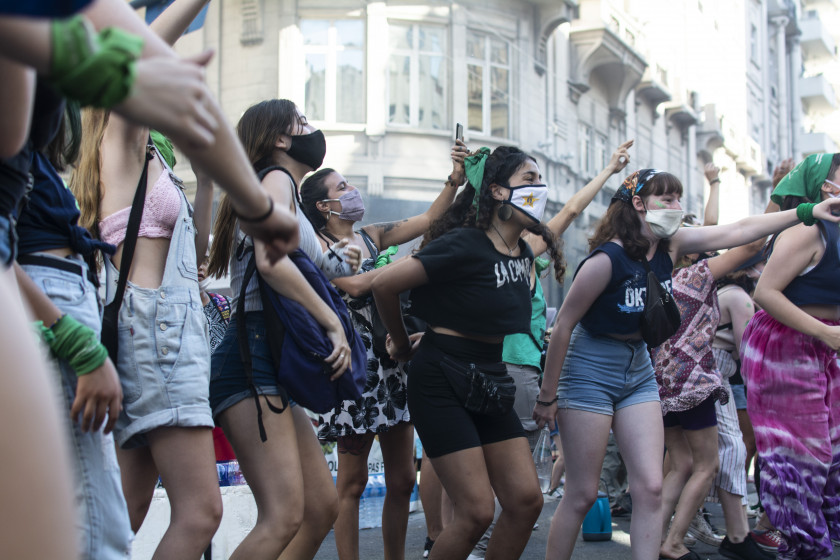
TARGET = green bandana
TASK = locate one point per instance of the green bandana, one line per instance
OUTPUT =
(384, 257)
(164, 147)
(94, 69)
(806, 179)
(474, 169)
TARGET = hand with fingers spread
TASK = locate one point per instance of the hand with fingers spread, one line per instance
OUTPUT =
(620, 158)
(169, 95)
(98, 394)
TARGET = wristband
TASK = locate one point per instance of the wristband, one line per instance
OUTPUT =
(77, 344)
(713, 181)
(94, 69)
(805, 212)
(261, 218)
(547, 403)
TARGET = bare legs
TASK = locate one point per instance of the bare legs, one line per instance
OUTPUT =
(184, 457)
(694, 464)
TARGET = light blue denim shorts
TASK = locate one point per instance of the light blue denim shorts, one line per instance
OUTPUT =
(101, 512)
(739, 393)
(602, 374)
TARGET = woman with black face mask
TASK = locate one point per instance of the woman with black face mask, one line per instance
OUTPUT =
(335, 207)
(293, 488)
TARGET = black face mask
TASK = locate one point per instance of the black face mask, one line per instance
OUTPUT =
(308, 149)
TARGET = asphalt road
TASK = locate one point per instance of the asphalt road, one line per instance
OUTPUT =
(370, 540)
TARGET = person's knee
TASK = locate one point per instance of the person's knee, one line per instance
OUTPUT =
(353, 485)
(647, 492)
(201, 521)
(580, 501)
(323, 515)
(477, 517)
(400, 482)
(526, 504)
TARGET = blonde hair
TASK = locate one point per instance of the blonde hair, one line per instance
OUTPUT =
(86, 182)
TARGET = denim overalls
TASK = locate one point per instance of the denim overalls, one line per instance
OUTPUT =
(164, 349)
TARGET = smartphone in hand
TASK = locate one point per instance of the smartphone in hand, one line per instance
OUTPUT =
(459, 132)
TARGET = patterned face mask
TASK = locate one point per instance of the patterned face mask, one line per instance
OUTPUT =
(530, 199)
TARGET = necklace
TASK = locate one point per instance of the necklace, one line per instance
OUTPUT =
(509, 248)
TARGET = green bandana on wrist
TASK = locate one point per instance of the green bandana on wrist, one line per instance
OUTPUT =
(385, 256)
(94, 69)
(806, 179)
(474, 170)
(77, 344)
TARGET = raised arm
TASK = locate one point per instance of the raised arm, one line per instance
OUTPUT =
(712, 173)
(175, 19)
(202, 212)
(396, 233)
(387, 287)
(581, 199)
(17, 92)
(746, 230)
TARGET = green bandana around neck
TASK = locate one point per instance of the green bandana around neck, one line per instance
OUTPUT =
(806, 179)
(474, 170)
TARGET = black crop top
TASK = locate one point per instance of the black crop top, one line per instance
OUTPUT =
(618, 310)
(473, 288)
(819, 285)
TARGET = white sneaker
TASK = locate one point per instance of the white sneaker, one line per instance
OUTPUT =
(702, 530)
(555, 494)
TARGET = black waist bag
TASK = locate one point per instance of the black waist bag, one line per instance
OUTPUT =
(661, 317)
(482, 388)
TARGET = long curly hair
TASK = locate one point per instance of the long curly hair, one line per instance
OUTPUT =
(621, 219)
(498, 169)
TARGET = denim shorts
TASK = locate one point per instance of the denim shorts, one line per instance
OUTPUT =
(228, 385)
(602, 374)
(8, 241)
(101, 513)
(739, 393)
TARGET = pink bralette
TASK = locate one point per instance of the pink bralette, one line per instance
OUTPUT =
(163, 204)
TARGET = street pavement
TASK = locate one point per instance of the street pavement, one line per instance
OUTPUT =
(370, 540)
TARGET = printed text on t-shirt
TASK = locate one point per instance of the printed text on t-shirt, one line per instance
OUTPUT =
(515, 270)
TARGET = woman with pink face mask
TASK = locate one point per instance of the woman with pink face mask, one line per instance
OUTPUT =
(335, 207)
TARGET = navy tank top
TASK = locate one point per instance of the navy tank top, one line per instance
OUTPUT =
(819, 285)
(618, 310)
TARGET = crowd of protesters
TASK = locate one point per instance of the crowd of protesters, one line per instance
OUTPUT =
(121, 387)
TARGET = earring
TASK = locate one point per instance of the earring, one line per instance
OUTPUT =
(505, 212)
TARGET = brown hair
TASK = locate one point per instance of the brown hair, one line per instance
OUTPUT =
(258, 130)
(86, 182)
(621, 219)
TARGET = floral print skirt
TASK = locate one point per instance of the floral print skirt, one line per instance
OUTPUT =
(383, 403)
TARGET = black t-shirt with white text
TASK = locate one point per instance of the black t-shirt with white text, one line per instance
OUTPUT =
(473, 288)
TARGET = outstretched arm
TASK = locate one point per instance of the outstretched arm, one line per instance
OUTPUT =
(712, 173)
(396, 233)
(581, 199)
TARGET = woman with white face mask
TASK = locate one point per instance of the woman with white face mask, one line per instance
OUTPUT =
(598, 372)
(470, 282)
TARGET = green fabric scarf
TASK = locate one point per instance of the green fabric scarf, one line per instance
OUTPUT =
(806, 179)
(474, 169)
(164, 146)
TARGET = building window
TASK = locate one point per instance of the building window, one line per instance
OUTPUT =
(417, 76)
(584, 147)
(488, 85)
(334, 55)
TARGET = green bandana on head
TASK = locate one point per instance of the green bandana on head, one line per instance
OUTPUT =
(806, 179)
(164, 147)
(474, 169)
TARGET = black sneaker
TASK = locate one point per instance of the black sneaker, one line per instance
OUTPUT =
(427, 548)
(746, 550)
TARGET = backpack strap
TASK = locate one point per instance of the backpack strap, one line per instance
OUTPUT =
(374, 250)
(242, 339)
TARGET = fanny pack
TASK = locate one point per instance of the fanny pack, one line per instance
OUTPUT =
(661, 316)
(482, 388)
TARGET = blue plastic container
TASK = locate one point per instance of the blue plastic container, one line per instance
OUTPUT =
(597, 525)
